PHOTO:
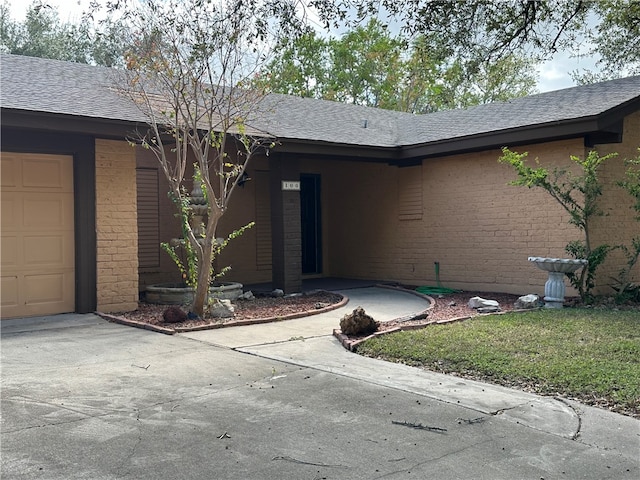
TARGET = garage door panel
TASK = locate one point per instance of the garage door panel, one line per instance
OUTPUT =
(9, 285)
(48, 212)
(10, 212)
(39, 288)
(37, 252)
(44, 251)
(9, 170)
(10, 253)
(46, 171)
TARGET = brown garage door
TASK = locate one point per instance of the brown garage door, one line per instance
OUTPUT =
(37, 236)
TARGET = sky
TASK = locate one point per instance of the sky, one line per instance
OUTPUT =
(552, 75)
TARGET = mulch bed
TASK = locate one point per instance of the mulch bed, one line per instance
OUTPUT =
(264, 309)
(443, 309)
(247, 312)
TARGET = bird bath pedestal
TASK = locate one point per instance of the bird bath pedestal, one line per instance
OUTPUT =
(557, 267)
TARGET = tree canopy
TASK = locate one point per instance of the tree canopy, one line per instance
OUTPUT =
(370, 66)
(486, 29)
(44, 34)
(188, 66)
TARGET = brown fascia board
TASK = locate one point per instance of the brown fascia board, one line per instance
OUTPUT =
(506, 138)
(606, 127)
(53, 122)
(346, 152)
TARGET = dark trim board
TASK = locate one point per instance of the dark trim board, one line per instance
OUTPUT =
(82, 148)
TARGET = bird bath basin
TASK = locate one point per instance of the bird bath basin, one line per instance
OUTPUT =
(557, 267)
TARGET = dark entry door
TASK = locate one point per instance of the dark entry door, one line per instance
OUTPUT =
(311, 223)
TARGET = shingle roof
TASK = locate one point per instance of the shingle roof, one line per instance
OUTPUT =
(51, 86)
(542, 109)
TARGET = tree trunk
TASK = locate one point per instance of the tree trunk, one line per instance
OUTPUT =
(205, 269)
(201, 294)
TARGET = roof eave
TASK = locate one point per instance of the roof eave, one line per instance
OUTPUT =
(590, 129)
(62, 123)
(318, 148)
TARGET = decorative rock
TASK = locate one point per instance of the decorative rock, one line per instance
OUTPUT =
(527, 301)
(221, 309)
(320, 305)
(277, 293)
(477, 302)
(248, 295)
(174, 314)
(358, 323)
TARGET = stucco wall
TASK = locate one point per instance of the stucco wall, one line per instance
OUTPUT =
(116, 227)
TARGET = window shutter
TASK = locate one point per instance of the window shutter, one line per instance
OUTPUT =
(410, 193)
(148, 218)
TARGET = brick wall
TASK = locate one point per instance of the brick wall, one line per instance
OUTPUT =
(116, 225)
(480, 229)
(618, 226)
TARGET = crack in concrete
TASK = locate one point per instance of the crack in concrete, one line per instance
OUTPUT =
(302, 462)
(577, 413)
(500, 411)
(435, 459)
(132, 453)
(85, 416)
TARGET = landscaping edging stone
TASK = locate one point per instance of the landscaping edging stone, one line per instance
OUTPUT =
(134, 323)
(232, 323)
(352, 344)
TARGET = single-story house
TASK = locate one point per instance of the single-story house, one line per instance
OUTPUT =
(383, 195)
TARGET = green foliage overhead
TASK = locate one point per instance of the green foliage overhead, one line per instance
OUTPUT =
(488, 30)
(43, 34)
(188, 65)
(370, 66)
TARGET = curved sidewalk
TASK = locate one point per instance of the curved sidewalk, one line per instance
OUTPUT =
(308, 342)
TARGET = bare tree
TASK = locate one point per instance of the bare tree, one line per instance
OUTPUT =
(188, 70)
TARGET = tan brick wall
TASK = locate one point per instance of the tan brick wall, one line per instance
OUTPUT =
(116, 225)
(480, 229)
(618, 226)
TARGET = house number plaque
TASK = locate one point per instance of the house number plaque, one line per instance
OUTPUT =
(291, 186)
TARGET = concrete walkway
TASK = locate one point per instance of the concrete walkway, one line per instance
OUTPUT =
(87, 399)
(308, 342)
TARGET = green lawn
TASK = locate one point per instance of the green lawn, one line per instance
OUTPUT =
(592, 355)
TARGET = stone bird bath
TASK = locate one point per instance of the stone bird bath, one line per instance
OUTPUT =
(557, 267)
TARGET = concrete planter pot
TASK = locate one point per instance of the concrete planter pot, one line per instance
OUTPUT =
(180, 294)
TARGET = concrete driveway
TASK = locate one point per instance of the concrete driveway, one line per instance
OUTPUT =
(87, 399)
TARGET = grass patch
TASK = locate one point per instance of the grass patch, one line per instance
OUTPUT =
(592, 355)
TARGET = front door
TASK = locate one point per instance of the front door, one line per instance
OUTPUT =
(311, 221)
